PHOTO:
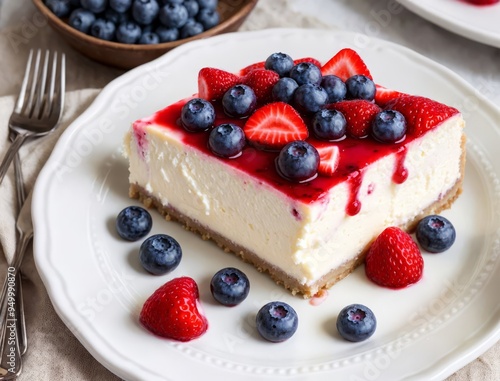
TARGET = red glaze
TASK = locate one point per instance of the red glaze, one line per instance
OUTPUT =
(355, 155)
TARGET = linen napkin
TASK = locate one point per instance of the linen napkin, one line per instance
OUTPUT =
(53, 352)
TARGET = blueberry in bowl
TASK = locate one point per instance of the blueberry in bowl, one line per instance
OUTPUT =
(129, 33)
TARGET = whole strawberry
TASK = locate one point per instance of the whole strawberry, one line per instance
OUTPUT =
(358, 114)
(394, 259)
(173, 311)
(213, 83)
(262, 83)
(421, 114)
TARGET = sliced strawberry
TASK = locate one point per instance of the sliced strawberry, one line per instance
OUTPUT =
(173, 311)
(213, 83)
(384, 95)
(252, 67)
(358, 114)
(394, 259)
(422, 114)
(345, 64)
(274, 125)
(329, 157)
(262, 82)
(308, 59)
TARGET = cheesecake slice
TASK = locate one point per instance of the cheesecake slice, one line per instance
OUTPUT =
(306, 235)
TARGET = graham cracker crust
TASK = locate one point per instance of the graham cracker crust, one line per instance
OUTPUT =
(278, 275)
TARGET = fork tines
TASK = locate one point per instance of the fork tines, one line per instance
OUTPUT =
(43, 86)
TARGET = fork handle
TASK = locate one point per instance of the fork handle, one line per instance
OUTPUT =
(11, 153)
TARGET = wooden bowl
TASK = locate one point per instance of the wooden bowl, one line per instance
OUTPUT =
(127, 56)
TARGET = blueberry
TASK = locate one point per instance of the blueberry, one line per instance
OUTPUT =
(145, 11)
(160, 254)
(165, 2)
(167, 34)
(227, 140)
(75, 4)
(120, 5)
(173, 15)
(306, 72)
(298, 161)
(388, 126)
(191, 28)
(208, 18)
(81, 19)
(229, 286)
(61, 8)
(149, 38)
(192, 7)
(277, 321)
(115, 17)
(197, 115)
(328, 125)
(356, 322)
(95, 6)
(208, 4)
(239, 101)
(133, 223)
(105, 30)
(281, 63)
(360, 87)
(310, 98)
(284, 89)
(435, 234)
(334, 87)
(128, 32)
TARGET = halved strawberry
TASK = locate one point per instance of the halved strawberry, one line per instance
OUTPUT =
(358, 114)
(422, 114)
(274, 125)
(329, 157)
(173, 311)
(261, 82)
(345, 64)
(384, 95)
(394, 259)
(213, 83)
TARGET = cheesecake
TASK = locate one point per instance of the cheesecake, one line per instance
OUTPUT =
(306, 234)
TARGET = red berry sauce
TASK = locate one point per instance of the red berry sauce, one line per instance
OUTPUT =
(355, 156)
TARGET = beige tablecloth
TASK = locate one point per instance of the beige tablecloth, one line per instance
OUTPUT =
(54, 353)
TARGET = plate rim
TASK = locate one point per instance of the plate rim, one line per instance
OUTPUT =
(479, 35)
(44, 178)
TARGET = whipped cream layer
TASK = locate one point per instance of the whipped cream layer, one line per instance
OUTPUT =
(304, 237)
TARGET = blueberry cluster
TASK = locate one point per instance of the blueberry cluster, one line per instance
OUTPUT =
(138, 21)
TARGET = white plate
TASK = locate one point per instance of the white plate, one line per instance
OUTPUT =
(478, 23)
(97, 286)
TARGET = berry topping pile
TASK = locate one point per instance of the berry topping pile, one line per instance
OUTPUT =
(138, 21)
(284, 103)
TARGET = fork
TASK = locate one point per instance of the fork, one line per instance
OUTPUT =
(39, 104)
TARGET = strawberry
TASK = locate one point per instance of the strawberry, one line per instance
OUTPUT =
(422, 114)
(252, 67)
(329, 157)
(173, 311)
(274, 125)
(345, 64)
(262, 65)
(261, 82)
(384, 95)
(358, 114)
(394, 259)
(307, 59)
(213, 83)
